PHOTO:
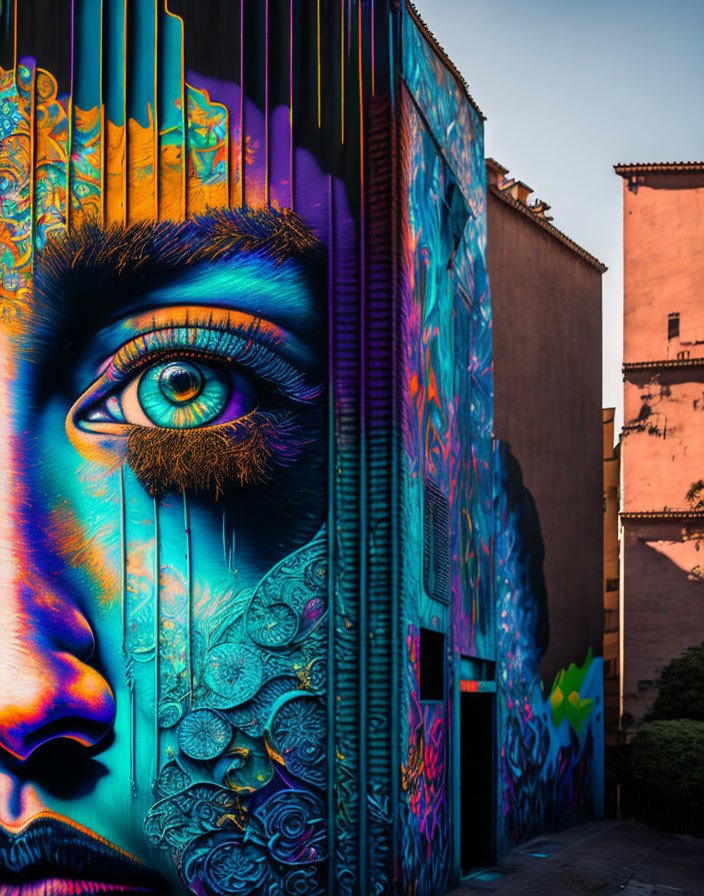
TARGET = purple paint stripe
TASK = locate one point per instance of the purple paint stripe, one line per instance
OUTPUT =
(266, 102)
(242, 136)
(290, 94)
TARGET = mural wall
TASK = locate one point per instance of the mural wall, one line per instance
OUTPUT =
(446, 511)
(245, 337)
(165, 250)
(548, 746)
(551, 767)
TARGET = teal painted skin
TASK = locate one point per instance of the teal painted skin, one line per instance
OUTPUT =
(168, 500)
(180, 567)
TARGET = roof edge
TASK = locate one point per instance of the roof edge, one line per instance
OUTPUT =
(452, 68)
(550, 228)
(662, 514)
(497, 166)
(673, 363)
(626, 168)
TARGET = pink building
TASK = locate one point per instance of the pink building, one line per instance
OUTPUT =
(662, 453)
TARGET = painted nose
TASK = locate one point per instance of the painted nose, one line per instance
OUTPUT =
(48, 688)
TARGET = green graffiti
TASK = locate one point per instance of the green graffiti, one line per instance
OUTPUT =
(564, 699)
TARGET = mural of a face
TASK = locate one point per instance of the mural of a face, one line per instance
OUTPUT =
(163, 543)
(164, 435)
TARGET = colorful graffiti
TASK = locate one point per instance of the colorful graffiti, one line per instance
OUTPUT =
(551, 746)
(245, 337)
(447, 432)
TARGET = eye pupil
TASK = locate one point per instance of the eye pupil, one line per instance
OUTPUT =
(180, 382)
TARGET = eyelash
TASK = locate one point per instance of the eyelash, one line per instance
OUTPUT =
(213, 459)
(217, 456)
(253, 350)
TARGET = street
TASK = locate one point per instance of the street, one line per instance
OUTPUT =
(606, 857)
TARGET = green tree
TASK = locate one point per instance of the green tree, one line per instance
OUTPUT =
(681, 688)
(668, 757)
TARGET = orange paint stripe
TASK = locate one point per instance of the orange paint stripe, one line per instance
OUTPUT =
(172, 196)
(202, 316)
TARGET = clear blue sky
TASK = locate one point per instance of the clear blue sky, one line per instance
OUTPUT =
(569, 88)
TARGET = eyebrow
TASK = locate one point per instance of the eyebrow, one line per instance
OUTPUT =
(94, 271)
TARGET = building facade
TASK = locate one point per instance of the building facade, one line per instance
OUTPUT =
(546, 328)
(612, 609)
(662, 456)
(546, 301)
(612, 488)
(274, 607)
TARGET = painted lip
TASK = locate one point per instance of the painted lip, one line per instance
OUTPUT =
(53, 856)
(60, 886)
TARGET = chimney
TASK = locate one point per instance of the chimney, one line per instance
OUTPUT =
(496, 176)
(539, 208)
(495, 173)
(517, 190)
(522, 193)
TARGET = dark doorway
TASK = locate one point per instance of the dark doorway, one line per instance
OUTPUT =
(476, 780)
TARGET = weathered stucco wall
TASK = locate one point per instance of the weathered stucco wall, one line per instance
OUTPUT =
(663, 244)
(547, 404)
(663, 435)
(663, 610)
(611, 579)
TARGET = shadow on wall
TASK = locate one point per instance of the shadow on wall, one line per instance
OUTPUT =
(520, 508)
(551, 743)
(666, 618)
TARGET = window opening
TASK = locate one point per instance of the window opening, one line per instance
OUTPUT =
(673, 325)
(432, 665)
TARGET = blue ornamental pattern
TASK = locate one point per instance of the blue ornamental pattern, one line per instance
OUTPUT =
(239, 799)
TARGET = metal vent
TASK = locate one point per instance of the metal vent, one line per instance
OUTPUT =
(436, 543)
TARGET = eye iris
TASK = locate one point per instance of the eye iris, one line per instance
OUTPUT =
(183, 395)
(180, 382)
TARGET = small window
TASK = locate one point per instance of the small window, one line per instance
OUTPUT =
(673, 325)
(432, 665)
(611, 585)
(610, 620)
(682, 356)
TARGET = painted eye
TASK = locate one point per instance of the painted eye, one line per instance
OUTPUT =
(179, 394)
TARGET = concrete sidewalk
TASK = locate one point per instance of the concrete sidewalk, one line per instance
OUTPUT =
(604, 857)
